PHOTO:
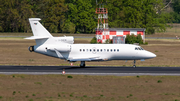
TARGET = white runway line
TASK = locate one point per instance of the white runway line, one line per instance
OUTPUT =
(116, 74)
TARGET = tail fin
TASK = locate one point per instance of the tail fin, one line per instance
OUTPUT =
(38, 30)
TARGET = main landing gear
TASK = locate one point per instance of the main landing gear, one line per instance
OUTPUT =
(82, 64)
(134, 66)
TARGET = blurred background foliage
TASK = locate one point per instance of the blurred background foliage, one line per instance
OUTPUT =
(78, 16)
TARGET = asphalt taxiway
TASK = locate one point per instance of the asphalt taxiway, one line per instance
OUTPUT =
(90, 70)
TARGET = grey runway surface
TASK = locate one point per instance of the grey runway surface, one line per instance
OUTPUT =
(90, 70)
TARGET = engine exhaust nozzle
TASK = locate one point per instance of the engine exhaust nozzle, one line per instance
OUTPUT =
(31, 48)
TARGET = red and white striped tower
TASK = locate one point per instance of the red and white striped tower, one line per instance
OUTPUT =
(102, 27)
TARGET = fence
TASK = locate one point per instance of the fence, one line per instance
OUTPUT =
(174, 28)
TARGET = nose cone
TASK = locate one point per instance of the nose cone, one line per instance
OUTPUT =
(145, 55)
(153, 55)
(150, 55)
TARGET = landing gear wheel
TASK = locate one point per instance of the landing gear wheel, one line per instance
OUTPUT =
(82, 64)
(134, 66)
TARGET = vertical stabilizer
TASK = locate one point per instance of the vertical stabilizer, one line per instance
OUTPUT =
(38, 29)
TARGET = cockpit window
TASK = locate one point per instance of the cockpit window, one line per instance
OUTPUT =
(139, 48)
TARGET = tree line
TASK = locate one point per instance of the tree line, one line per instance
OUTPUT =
(78, 16)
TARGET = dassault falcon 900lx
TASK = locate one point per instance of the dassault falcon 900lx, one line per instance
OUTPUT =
(63, 48)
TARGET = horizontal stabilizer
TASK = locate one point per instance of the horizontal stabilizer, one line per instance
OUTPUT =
(37, 37)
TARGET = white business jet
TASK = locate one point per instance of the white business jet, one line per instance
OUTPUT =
(63, 48)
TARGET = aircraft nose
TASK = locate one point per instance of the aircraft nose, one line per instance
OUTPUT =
(152, 55)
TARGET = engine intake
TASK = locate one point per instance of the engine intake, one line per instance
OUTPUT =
(31, 48)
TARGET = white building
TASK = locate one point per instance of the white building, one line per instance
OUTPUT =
(104, 34)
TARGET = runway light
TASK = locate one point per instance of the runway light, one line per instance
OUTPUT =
(63, 72)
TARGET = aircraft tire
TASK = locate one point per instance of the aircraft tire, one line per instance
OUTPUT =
(134, 66)
(82, 65)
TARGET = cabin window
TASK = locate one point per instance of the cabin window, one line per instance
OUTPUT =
(94, 50)
(101, 50)
(111, 50)
(83, 50)
(80, 50)
(114, 49)
(97, 50)
(108, 50)
(87, 50)
(104, 49)
(118, 50)
(90, 50)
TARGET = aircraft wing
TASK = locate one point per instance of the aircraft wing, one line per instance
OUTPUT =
(85, 59)
(74, 59)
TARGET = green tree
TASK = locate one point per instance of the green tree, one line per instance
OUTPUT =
(1, 29)
(81, 13)
(54, 15)
(138, 14)
(176, 13)
(115, 13)
(14, 15)
(131, 39)
(94, 40)
(69, 27)
(139, 39)
(176, 6)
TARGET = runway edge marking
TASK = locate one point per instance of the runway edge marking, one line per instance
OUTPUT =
(116, 74)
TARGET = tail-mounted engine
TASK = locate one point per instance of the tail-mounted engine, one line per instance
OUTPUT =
(31, 48)
(66, 39)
